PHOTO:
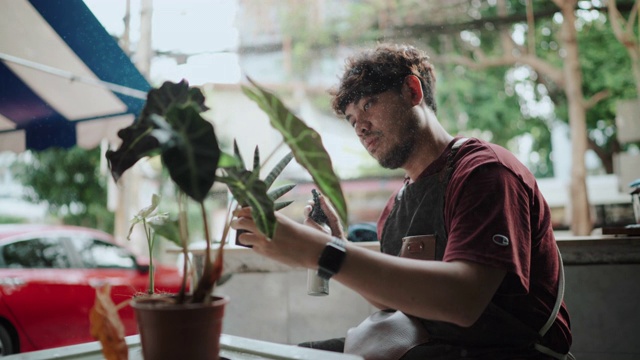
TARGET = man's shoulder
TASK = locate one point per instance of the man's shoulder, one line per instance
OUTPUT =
(475, 152)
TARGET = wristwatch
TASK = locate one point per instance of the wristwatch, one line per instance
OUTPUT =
(331, 258)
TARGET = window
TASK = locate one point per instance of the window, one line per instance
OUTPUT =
(35, 253)
(100, 254)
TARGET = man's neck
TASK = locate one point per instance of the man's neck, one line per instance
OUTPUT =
(427, 151)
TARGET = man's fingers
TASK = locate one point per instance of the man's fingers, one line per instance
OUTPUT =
(307, 210)
(332, 217)
(242, 212)
(249, 238)
(244, 223)
(309, 222)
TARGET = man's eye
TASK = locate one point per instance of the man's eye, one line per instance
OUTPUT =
(367, 105)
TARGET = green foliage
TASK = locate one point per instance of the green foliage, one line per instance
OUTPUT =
(605, 66)
(69, 181)
(171, 124)
(306, 145)
(468, 103)
(470, 28)
(249, 190)
(149, 219)
(7, 219)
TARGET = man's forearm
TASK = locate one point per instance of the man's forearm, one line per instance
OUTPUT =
(456, 292)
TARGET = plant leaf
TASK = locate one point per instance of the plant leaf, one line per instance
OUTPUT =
(280, 190)
(190, 150)
(137, 143)
(256, 160)
(161, 100)
(281, 205)
(106, 326)
(275, 172)
(251, 191)
(236, 152)
(142, 138)
(145, 212)
(224, 278)
(169, 229)
(227, 161)
(305, 143)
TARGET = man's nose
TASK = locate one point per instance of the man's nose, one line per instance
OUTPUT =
(362, 127)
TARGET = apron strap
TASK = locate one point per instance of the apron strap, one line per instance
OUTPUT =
(459, 143)
(559, 298)
(554, 314)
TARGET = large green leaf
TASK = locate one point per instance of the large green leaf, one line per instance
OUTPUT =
(137, 143)
(162, 99)
(142, 138)
(305, 144)
(189, 150)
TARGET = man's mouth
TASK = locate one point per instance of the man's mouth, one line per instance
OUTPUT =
(370, 142)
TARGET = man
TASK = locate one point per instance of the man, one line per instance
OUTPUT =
(493, 291)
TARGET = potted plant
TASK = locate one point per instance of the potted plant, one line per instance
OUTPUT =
(171, 125)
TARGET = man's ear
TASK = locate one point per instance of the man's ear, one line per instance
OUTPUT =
(414, 86)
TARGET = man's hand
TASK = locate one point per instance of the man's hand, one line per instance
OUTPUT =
(293, 243)
(333, 226)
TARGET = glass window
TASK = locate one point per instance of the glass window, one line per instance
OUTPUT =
(35, 253)
(100, 254)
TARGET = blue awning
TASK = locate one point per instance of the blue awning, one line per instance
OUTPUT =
(63, 79)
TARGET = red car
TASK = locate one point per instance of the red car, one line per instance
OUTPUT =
(47, 279)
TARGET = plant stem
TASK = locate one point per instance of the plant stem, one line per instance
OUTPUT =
(152, 266)
(184, 237)
(207, 236)
(147, 233)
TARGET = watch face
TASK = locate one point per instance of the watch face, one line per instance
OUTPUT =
(331, 258)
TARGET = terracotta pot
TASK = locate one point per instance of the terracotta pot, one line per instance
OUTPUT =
(179, 331)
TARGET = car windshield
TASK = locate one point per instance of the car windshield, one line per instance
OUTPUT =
(35, 253)
(100, 254)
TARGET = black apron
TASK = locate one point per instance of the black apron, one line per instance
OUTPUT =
(419, 210)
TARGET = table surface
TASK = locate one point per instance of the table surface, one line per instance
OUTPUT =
(231, 347)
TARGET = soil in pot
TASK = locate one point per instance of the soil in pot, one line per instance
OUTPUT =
(179, 331)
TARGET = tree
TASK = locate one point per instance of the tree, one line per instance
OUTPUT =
(626, 35)
(69, 181)
(496, 39)
(605, 65)
(481, 51)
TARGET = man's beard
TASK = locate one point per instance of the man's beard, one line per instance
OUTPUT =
(399, 154)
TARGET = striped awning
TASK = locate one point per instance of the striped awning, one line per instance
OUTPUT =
(63, 79)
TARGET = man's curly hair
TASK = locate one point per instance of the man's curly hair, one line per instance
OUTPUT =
(380, 69)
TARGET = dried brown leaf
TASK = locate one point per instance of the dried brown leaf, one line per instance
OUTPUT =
(106, 326)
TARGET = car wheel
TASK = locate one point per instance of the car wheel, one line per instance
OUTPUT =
(6, 345)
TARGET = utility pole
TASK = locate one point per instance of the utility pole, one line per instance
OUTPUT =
(128, 198)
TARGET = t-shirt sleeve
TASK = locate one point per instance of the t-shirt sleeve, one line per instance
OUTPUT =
(487, 213)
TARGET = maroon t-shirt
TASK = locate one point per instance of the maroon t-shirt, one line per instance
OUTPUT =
(495, 215)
